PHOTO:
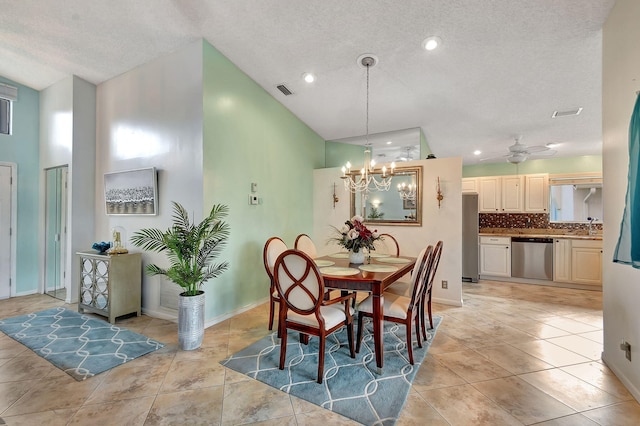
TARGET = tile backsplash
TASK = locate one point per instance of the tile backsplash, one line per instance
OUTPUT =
(529, 220)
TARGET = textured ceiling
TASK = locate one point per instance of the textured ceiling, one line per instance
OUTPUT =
(505, 65)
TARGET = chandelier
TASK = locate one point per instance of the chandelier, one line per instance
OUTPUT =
(369, 178)
(407, 192)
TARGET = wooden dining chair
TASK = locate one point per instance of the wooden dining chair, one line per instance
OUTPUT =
(426, 291)
(273, 248)
(388, 244)
(303, 307)
(404, 288)
(402, 309)
(305, 244)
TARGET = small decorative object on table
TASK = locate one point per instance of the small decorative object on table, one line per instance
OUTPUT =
(355, 236)
(119, 235)
(101, 247)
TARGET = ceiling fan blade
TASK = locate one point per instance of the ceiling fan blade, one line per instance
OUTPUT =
(495, 157)
(538, 148)
(547, 153)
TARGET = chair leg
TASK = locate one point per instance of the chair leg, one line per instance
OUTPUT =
(304, 339)
(422, 321)
(350, 336)
(272, 307)
(409, 345)
(418, 322)
(321, 357)
(283, 348)
(360, 315)
(430, 318)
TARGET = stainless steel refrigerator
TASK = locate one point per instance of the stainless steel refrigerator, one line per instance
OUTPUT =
(470, 223)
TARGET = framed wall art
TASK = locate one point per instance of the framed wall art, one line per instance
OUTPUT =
(131, 192)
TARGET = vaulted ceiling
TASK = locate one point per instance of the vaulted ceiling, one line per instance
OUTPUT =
(503, 68)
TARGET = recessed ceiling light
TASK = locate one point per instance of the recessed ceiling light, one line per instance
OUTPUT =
(431, 43)
(389, 142)
(477, 152)
(551, 145)
(308, 77)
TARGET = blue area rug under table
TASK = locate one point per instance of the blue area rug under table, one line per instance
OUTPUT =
(351, 387)
(80, 345)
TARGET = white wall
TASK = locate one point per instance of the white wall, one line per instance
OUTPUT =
(151, 116)
(67, 137)
(621, 283)
(444, 223)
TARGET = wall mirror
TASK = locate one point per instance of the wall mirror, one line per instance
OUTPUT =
(574, 199)
(388, 207)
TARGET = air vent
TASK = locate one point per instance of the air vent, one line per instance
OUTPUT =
(284, 89)
(569, 112)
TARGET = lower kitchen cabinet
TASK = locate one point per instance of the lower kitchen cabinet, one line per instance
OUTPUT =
(577, 261)
(562, 260)
(586, 262)
(495, 256)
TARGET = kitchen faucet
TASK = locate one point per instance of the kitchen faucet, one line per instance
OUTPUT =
(591, 230)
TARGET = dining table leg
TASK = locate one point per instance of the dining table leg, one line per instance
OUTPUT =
(378, 316)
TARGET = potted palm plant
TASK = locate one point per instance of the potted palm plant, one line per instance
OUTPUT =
(191, 249)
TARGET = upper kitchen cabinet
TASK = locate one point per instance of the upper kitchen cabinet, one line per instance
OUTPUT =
(500, 194)
(536, 193)
(469, 185)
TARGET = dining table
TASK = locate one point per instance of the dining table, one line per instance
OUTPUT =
(377, 273)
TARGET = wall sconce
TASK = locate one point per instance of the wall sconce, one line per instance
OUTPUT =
(439, 197)
(335, 197)
(375, 203)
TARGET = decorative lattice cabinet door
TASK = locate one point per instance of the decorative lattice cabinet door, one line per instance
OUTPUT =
(110, 285)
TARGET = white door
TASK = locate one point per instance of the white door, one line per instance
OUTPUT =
(5, 231)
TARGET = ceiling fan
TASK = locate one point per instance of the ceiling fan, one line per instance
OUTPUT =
(408, 155)
(518, 152)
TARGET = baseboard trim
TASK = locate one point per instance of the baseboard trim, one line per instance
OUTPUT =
(540, 282)
(447, 301)
(170, 316)
(633, 390)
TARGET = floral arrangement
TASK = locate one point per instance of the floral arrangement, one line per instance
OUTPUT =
(354, 235)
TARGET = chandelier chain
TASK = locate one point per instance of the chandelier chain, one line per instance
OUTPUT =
(367, 109)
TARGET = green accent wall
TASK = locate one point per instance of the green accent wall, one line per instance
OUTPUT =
(425, 149)
(22, 148)
(586, 163)
(248, 136)
(337, 154)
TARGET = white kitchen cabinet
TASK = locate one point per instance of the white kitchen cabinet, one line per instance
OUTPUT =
(512, 189)
(536, 193)
(495, 256)
(586, 262)
(469, 185)
(577, 261)
(500, 194)
(490, 194)
(562, 260)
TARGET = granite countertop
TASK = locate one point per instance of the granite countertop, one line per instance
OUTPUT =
(540, 233)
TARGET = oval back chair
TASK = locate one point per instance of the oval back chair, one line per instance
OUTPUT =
(303, 307)
(273, 248)
(305, 244)
(388, 244)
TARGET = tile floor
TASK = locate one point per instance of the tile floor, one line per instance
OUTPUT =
(514, 354)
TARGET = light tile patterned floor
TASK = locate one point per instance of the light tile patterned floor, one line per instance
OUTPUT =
(514, 354)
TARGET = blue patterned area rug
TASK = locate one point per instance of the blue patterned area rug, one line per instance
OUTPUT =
(80, 345)
(350, 387)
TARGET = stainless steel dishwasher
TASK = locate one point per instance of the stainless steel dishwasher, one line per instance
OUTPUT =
(532, 258)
